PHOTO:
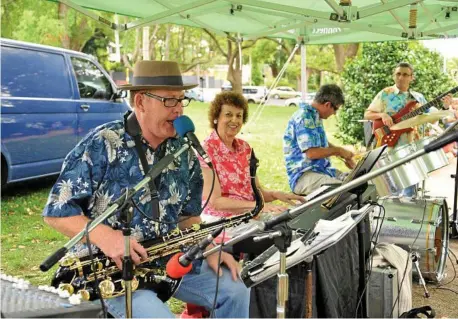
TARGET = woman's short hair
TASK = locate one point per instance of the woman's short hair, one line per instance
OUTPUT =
(229, 98)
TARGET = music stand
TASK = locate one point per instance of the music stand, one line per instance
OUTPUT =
(363, 167)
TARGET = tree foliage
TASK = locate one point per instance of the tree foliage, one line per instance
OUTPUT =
(372, 70)
(50, 23)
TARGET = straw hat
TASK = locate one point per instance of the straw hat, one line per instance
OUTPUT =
(162, 75)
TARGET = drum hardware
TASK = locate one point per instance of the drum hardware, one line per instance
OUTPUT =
(415, 256)
(401, 177)
(454, 221)
(431, 231)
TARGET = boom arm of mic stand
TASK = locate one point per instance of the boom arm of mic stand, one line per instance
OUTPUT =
(295, 212)
(124, 198)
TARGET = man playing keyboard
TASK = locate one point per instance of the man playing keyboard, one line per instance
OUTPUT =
(306, 147)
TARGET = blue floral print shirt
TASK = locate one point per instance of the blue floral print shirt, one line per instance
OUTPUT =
(304, 130)
(105, 163)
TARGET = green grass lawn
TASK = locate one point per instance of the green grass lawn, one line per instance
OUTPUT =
(26, 240)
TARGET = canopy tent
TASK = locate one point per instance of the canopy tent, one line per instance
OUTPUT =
(314, 21)
(306, 21)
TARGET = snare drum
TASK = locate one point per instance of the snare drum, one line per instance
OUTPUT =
(403, 223)
(432, 160)
(408, 174)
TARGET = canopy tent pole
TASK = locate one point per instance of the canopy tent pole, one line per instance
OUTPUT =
(261, 106)
(303, 70)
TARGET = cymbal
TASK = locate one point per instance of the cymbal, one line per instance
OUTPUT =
(421, 119)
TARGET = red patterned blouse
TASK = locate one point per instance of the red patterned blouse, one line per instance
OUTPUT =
(232, 169)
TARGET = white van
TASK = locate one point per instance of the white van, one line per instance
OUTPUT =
(254, 94)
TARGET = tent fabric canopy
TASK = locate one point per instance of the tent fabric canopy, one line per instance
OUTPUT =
(313, 21)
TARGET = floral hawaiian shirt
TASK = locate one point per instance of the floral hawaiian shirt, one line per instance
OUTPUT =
(232, 169)
(305, 130)
(105, 163)
(390, 100)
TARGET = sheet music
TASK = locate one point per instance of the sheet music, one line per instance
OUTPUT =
(329, 232)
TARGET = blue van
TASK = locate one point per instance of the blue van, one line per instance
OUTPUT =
(50, 99)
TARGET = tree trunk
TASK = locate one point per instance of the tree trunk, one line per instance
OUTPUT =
(62, 13)
(167, 43)
(342, 52)
(274, 69)
(234, 73)
(152, 43)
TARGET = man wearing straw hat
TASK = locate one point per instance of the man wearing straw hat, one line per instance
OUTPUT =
(106, 162)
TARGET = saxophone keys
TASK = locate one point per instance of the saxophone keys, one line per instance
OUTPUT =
(67, 287)
(68, 260)
(84, 294)
(141, 272)
(134, 284)
(107, 288)
(195, 227)
(97, 267)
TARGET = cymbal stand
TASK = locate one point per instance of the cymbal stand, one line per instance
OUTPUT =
(422, 194)
(282, 240)
(415, 257)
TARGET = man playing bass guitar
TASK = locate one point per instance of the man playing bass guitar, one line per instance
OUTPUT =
(392, 99)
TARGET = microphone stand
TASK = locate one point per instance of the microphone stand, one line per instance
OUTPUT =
(123, 203)
(127, 264)
(282, 240)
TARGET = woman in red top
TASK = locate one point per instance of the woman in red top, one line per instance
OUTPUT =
(232, 193)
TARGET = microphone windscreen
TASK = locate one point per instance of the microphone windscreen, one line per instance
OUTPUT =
(183, 125)
(174, 269)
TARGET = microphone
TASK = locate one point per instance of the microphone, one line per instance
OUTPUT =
(185, 128)
(180, 264)
(442, 141)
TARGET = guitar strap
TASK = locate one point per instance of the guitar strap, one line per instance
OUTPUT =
(133, 129)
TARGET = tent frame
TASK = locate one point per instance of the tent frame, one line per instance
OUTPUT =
(349, 16)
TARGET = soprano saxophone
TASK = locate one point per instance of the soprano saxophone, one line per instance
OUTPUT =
(78, 275)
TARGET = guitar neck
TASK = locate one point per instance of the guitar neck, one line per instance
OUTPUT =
(435, 102)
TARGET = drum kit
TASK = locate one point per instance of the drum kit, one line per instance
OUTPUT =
(419, 224)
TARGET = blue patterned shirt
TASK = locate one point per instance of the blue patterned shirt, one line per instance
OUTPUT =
(105, 163)
(305, 130)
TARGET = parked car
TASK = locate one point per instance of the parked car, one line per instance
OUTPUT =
(50, 99)
(284, 92)
(195, 94)
(227, 86)
(254, 94)
(296, 100)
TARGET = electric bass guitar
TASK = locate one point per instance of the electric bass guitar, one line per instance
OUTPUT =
(384, 135)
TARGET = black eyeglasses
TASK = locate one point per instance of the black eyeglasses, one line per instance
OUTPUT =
(335, 108)
(399, 74)
(169, 101)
